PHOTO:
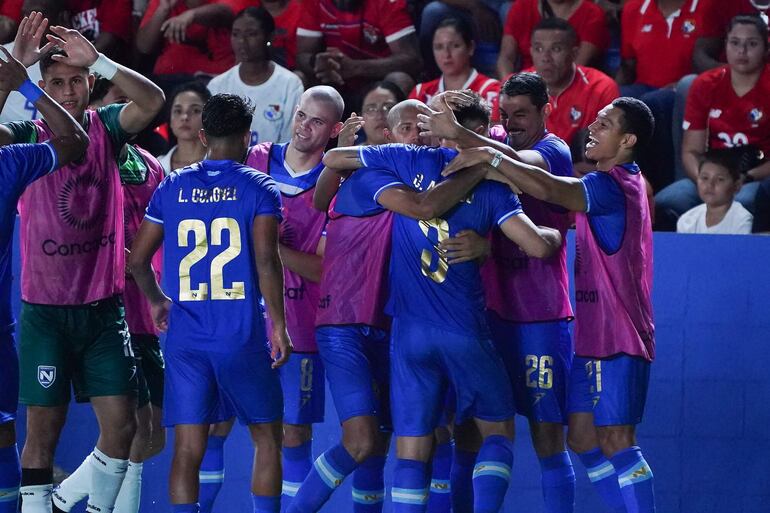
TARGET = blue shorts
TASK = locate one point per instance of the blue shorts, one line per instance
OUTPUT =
(204, 387)
(538, 357)
(356, 359)
(426, 360)
(613, 389)
(9, 378)
(304, 390)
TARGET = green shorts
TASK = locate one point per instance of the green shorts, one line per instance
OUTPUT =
(149, 369)
(87, 346)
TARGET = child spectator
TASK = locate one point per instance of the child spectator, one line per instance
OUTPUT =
(272, 89)
(719, 180)
(585, 16)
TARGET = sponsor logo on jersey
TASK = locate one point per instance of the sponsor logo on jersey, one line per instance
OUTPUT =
(688, 27)
(46, 375)
(273, 113)
(755, 115)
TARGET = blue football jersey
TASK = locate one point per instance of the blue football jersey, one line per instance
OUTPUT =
(289, 181)
(422, 284)
(20, 165)
(207, 211)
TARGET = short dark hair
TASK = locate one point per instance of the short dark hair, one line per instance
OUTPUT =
(478, 110)
(527, 84)
(102, 86)
(193, 86)
(225, 115)
(47, 61)
(637, 119)
(260, 14)
(557, 24)
(736, 160)
(461, 26)
(750, 19)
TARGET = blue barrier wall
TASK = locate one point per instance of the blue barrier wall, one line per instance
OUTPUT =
(708, 410)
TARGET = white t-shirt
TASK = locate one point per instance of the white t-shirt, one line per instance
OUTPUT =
(18, 108)
(274, 101)
(737, 221)
(165, 161)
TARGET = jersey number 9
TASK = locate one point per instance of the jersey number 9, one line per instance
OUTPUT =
(426, 258)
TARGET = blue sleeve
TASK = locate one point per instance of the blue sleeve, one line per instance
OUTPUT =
(154, 211)
(405, 160)
(606, 209)
(268, 198)
(22, 164)
(556, 154)
(358, 194)
(503, 203)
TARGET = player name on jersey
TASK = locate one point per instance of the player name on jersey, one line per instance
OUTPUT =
(213, 195)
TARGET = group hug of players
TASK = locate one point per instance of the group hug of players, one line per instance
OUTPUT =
(368, 266)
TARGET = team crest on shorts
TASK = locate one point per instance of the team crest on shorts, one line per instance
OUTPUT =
(273, 113)
(46, 375)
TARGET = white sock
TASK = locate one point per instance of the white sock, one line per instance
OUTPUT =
(107, 475)
(131, 490)
(75, 488)
(36, 498)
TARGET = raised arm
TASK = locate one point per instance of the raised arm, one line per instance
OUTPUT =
(70, 140)
(343, 158)
(149, 35)
(147, 241)
(146, 99)
(270, 271)
(565, 191)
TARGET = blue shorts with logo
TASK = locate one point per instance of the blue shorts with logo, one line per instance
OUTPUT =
(613, 389)
(538, 356)
(356, 359)
(304, 390)
(206, 387)
(9, 378)
(426, 360)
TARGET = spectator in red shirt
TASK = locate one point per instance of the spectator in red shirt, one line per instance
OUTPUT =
(346, 43)
(10, 16)
(453, 48)
(715, 16)
(728, 106)
(585, 16)
(106, 23)
(577, 93)
(193, 38)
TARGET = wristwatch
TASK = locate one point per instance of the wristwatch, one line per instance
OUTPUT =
(496, 160)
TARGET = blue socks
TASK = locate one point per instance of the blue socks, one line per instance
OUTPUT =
(635, 480)
(10, 479)
(369, 486)
(603, 477)
(297, 462)
(185, 508)
(440, 499)
(212, 473)
(410, 486)
(328, 472)
(558, 478)
(462, 480)
(265, 504)
(492, 474)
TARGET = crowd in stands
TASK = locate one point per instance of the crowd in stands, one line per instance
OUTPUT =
(704, 76)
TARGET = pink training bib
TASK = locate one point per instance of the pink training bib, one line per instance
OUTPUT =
(72, 232)
(613, 305)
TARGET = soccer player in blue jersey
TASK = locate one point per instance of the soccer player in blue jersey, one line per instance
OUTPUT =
(530, 329)
(440, 335)
(218, 223)
(20, 165)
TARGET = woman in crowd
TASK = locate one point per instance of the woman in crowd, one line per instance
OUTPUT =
(185, 122)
